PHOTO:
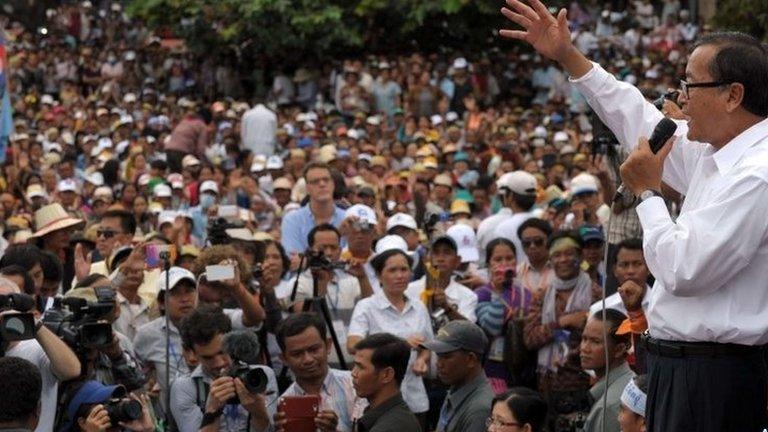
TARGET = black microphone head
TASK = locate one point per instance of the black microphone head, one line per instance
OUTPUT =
(661, 133)
(242, 346)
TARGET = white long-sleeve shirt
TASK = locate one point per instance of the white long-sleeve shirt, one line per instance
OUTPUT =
(710, 264)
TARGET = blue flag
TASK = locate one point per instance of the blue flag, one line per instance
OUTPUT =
(6, 116)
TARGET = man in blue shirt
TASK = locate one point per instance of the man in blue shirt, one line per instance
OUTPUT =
(319, 210)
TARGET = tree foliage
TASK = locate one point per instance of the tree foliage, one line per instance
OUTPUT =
(299, 28)
(749, 16)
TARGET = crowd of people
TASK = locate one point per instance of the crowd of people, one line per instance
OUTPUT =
(403, 242)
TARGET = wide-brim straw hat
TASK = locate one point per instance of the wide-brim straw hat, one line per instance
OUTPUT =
(52, 218)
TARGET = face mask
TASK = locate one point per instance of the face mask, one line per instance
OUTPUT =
(206, 201)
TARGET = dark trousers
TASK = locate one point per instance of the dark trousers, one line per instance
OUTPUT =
(726, 393)
(174, 157)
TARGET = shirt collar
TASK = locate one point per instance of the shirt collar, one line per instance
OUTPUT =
(613, 375)
(372, 415)
(457, 395)
(726, 157)
(382, 302)
(326, 384)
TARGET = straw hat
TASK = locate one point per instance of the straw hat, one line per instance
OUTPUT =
(53, 217)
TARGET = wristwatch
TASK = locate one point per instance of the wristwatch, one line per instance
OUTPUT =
(649, 193)
(210, 417)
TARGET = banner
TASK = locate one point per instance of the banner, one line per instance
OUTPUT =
(6, 116)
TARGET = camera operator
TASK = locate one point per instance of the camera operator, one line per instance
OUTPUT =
(115, 362)
(203, 399)
(52, 357)
(341, 290)
(94, 407)
(20, 388)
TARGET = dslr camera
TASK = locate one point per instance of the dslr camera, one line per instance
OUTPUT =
(255, 380)
(316, 260)
(19, 325)
(123, 410)
(78, 321)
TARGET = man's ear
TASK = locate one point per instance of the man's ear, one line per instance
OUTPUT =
(735, 97)
(386, 375)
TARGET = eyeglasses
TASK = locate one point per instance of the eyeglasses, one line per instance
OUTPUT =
(533, 242)
(317, 181)
(496, 423)
(107, 234)
(685, 85)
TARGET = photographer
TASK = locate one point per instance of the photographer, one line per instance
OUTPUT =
(114, 362)
(203, 399)
(52, 357)
(94, 407)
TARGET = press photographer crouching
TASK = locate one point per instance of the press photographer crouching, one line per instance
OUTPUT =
(83, 319)
(95, 407)
(227, 391)
(24, 338)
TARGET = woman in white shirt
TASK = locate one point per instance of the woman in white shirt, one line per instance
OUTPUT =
(391, 311)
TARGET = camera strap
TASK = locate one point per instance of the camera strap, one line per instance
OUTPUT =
(201, 392)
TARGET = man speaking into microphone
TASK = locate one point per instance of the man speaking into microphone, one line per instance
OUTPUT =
(708, 316)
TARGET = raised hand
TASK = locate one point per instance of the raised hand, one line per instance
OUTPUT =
(548, 35)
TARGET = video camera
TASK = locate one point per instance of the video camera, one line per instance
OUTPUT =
(77, 321)
(19, 325)
(217, 230)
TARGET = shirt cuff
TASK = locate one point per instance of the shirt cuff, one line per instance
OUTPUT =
(591, 82)
(652, 213)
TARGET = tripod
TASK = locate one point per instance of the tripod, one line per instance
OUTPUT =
(319, 305)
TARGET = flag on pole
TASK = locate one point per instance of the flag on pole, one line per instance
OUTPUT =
(6, 116)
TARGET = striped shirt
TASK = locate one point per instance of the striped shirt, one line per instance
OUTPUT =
(337, 395)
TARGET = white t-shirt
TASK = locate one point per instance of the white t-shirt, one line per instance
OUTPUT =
(31, 351)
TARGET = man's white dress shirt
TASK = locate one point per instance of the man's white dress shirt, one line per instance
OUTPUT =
(710, 264)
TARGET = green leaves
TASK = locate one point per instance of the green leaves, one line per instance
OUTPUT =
(316, 27)
(749, 16)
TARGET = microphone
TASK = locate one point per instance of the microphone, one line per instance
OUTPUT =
(242, 346)
(661, 133)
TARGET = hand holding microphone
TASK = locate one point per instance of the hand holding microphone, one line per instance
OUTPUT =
(643, 168)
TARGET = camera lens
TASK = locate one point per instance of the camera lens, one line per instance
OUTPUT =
(124, 410)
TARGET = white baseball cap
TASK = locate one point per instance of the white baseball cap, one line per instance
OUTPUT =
(401, 219)
(162, 191)
(584, 183)
(561, 136)
(166, 216)
(175, 275)
(259, 164)
(95, 178)
(67, 185)
(209, 186)
(460, 63)
(519, 182)
(189, 160)
(274, 162)
(363, 212)
(466, 241)
(390, 242)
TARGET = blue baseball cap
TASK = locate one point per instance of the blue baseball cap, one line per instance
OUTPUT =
(590, 232)
(91, 392)
(304, 142)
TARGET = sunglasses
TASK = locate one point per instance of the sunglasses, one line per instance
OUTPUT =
(533, 242)
(107, 234)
